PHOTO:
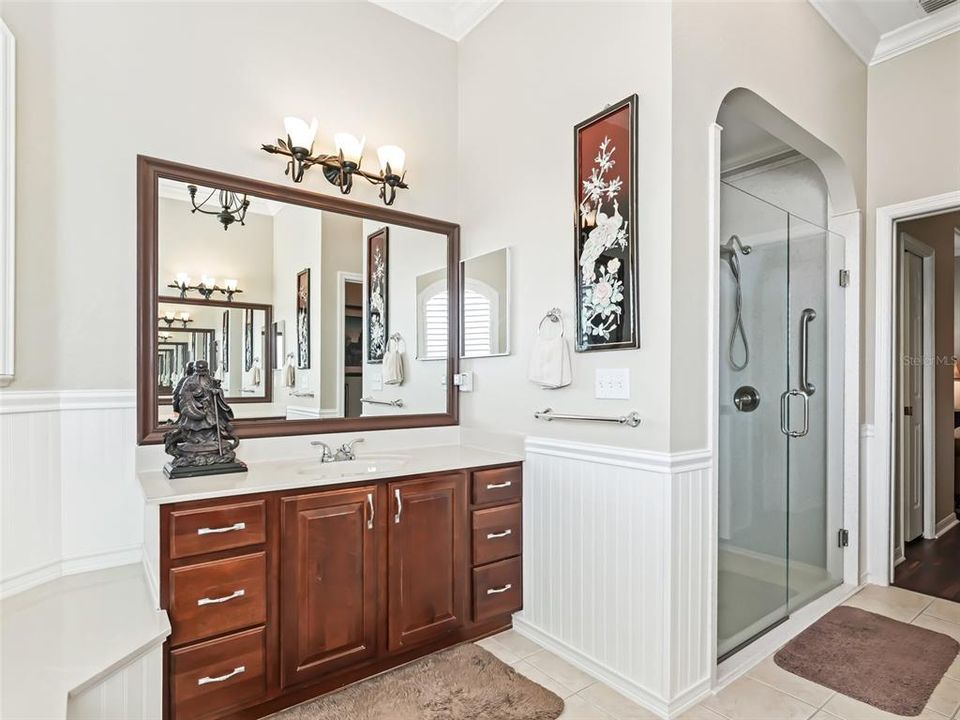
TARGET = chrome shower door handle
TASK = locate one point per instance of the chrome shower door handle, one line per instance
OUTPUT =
(806, 317)
(784, 408)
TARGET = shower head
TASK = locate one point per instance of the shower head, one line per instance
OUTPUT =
(730, 247)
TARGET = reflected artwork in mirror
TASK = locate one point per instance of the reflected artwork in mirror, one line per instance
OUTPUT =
(485, 305)
(343, 277)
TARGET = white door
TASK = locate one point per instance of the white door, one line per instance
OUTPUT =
(911, 391)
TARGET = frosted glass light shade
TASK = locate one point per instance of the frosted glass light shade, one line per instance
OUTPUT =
(184, 316)
(183, 279)
(230, 284)
(301, 134)
(394, 156)
(169, 315)
(351, 148)
(208, 281)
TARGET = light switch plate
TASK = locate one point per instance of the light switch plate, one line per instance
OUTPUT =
(464, 381)
(376, 380)
(613, 383)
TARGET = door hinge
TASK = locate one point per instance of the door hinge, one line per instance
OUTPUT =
(844, 278)
(843, 538)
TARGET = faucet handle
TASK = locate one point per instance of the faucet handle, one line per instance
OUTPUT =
(347, 449)
(327, 452)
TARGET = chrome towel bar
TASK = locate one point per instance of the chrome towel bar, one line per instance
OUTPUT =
(395, 403)
(632, 419)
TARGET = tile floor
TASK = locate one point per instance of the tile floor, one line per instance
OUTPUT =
(765, 693)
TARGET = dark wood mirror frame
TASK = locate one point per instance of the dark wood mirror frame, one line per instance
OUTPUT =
(149, 172)
(267, 311)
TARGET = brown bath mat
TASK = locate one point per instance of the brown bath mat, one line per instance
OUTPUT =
(885, 663)
(463, 683)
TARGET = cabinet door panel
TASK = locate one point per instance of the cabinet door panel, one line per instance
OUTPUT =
(428, 559)
(328, 582)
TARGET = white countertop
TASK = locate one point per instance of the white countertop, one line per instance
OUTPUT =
(65, 635)
(308, 472)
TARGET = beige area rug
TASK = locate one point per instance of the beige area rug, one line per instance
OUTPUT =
(462, 683)
(882, 662)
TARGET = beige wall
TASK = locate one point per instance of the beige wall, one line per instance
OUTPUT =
(913, 142)
(787, 54)
(938, 232)
(205, 84)
(529, 73)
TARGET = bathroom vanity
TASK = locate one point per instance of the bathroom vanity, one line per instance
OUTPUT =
(300, 577)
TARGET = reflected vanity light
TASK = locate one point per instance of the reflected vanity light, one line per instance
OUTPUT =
(170, 317)
(340, 167)
(206, 287)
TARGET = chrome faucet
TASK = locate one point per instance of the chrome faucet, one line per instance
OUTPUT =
(344, 453)
(327, 455)
(346, 450)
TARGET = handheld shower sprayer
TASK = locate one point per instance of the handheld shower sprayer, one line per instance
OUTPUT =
(728, 252)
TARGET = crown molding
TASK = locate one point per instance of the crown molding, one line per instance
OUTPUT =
(850, 24)
(939, 24)
(453, 19)
(175, 190)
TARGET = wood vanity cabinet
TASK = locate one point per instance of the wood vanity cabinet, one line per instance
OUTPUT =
(280, 597)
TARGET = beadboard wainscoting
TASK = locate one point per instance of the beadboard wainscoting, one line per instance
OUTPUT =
(131, 692)
(67, 500)
(618, 572)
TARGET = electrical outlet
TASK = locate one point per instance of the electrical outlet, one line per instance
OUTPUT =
(613, 383)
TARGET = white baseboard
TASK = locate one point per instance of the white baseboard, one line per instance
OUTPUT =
(946, 524)
(637, 693)
(68, 566)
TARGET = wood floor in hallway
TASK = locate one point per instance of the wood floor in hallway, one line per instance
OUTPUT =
(932, 567)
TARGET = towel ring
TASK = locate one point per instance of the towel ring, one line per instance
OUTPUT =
(554, 315)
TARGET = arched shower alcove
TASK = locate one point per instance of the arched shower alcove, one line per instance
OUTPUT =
(785, 236)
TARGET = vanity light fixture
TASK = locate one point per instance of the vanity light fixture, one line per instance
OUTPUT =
(206, 287)
(339, 168)
(233, 207)
(171, 317)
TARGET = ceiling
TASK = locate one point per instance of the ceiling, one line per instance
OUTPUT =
(453, 18)
(878, 30)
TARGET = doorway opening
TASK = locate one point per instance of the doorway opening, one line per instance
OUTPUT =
(925, 547)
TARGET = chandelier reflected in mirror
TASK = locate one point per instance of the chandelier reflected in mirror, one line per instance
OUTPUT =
(233, 207)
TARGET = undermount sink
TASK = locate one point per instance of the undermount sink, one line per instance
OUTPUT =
(366, 465)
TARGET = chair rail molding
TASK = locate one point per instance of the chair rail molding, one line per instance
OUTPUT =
(8, 114)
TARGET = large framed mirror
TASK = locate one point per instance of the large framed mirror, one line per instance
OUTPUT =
(295, 300)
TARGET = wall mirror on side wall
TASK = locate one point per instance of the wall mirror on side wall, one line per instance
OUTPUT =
(301, 303)
(485, 305)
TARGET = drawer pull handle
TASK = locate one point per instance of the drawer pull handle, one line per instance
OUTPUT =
(225, 598)
(221, 678)
(373, 512)
(396, 518)
(229, 528)
(497, 591)
(496, 486)
(494, 536)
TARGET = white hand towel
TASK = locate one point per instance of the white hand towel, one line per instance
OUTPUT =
(256, 374)
(392, 371)
(290, 376)
(550, 362)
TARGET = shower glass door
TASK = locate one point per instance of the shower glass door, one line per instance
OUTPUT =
(780, 439)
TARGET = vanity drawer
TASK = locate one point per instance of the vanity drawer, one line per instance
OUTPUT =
(212, 678)
(497, 533)
(217, 597)
(497, 589)
(220, 527)
(497, 485)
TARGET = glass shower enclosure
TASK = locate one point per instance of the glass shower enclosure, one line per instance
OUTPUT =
(780, 454)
